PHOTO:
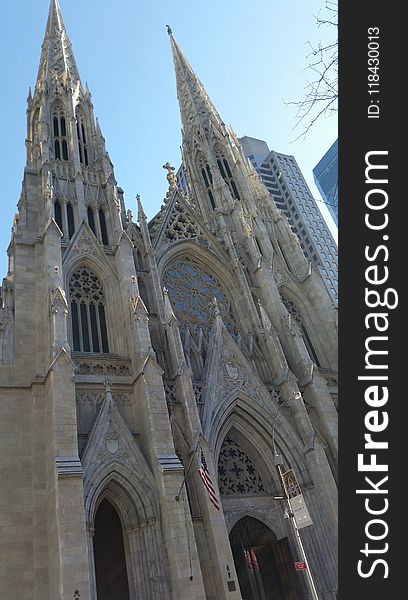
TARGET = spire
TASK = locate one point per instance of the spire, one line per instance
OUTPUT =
(57, 59)
(195, 104)
(140, 212)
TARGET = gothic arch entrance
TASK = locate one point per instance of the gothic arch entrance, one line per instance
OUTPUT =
(263, 563)
(109, 551)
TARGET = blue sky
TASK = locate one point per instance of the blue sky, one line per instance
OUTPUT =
(250, 56)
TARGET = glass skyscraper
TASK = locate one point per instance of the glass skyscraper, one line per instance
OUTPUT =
(325, 175)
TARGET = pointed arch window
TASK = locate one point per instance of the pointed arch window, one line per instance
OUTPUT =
(226, 174)
(295, 314)
(104, 229)
(91, 219)
(58, 214)
(207, 180)
(60, 138)
(137, 259)
(82, 140)
(88, 316)
(70, 220)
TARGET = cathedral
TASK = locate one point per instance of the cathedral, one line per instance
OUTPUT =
(157, 378)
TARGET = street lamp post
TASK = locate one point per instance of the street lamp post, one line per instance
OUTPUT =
(278, 463)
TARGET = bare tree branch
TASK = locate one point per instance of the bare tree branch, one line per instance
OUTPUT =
(321, 91)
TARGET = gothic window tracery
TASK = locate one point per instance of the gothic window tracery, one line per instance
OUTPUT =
(181, 226)
(192, 292)
(226, 173)
(89, 332)
(60, 138)
(236, 471)
(207, 179)
(297, 316)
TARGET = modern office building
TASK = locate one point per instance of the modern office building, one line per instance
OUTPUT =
(283, 178)
(325, 175)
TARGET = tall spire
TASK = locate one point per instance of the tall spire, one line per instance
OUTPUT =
(195, 104)
(57, 59)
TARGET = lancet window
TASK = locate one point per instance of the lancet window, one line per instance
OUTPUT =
(58, 214)
(60, 138)
(70, 220)
(104, 229)
(91, 219)
(226, 173)
(296, 315)
(64, 217)
(88, 315)
(207, 179)
(82, 140)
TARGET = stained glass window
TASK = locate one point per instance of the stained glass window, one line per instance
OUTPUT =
(191, 291)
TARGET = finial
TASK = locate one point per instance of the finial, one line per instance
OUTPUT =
(108, 385)
(171, 178)
(129, 216)
(169, 31)
(140, 212)
(49, 185)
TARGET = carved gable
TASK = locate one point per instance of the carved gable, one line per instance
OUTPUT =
(110, 442)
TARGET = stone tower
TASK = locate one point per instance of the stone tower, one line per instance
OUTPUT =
(128, 351)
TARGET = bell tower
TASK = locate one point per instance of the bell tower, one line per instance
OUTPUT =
(80, 383)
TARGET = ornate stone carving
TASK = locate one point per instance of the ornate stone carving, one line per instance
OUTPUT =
(85, 245)
(180, 226)
(231, 376)
(169, 390)
(192, 291)
(90, 366)
(198, 392)
(236, 471)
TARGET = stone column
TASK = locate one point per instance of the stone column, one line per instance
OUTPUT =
(136, 561)
(91, 562)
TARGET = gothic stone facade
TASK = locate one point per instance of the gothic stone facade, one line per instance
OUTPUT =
(127, 346)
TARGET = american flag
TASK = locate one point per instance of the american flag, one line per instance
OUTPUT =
(205, 476)
(251, 560)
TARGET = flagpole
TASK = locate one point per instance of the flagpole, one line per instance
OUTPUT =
(278, 464)
(177, 498)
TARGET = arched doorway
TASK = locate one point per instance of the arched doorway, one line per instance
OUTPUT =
(263, 563)
(109, 551)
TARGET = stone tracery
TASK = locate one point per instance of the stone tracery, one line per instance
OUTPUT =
(236, 471)
(192, 292)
